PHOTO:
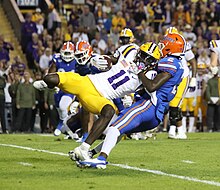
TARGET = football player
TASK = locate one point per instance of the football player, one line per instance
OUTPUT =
(201, 106)
(148, 112)
(215, 55)
(63, 62)
(96, 91)
(175, 114)
(188, 106)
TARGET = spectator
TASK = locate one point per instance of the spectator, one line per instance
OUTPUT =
(74, 18)
(28, 28)
(37, 15)
(40, 26)
(100, 42)
(4, 54)
(139, 13)
(118, 21)
(87, 22)
(18, 66)
(212, 97)
(2, 101)
(6, 45)
(107, 7)
(79, 35)
(25, 102)
(12, 91)
(189, 35)
(69, 33)
(49, 105)
(39, 108)
(45, 60)
(181, 16)
(32, 45)
(53, 19)
(107, 22)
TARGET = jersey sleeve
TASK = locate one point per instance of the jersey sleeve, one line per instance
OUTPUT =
(189, 55)
(213, 46)
(165, 65)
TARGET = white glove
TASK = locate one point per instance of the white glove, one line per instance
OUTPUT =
(214, 70)
(100, 62)
(192, 84)
(40, 85)
(56, 89)
(74, 107)
(127, 101)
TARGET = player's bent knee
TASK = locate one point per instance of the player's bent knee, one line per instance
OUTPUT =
(175, 115)
(52, 80)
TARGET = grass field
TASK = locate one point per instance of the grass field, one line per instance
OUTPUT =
(146, 164)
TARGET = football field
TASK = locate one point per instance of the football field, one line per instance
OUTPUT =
(41, 162)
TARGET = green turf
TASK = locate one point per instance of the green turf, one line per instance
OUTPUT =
(49, 171)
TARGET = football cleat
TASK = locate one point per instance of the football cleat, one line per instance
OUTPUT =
(40, 85)
(57, 132)
(181, 136)
(92, 163)
(79, 154)
(171, 136)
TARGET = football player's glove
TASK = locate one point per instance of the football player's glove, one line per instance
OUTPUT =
(100, 62)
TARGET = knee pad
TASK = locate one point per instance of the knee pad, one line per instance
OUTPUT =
(175, 115)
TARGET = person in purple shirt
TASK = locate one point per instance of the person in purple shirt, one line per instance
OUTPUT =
(28, 28)
(4, 54)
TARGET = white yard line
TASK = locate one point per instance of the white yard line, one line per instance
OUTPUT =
(157, 172)
(25, 164)
(188, 161)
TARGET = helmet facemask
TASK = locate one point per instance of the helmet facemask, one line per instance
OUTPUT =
(82, 57)
(145, 60)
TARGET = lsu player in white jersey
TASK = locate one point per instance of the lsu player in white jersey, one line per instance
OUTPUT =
(188, 105)
(201, 105)
(95, 92)
(175, 114)
(215, 58)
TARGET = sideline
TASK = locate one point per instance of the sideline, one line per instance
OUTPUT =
(157, 172)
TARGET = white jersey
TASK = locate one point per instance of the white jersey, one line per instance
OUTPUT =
(117, 82)
(187, 57)
(190, 94)
(129, 51)
(215, 47)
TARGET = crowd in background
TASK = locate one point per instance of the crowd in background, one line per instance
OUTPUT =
(98, 22)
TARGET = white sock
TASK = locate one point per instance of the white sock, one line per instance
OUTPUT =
(184, 123)
(85, 146)
(191, 124)
(110, 140)
(172, 129)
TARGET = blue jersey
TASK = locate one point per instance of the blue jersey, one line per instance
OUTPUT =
(167, 91)
(149, 110)
(86, 69)
(63, 66)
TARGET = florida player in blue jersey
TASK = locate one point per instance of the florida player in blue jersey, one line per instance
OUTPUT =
(148, 112)
(63, 62)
